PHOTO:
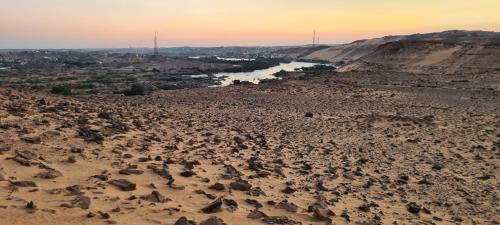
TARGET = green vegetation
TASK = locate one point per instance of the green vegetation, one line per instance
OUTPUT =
(281, 73)
(257, 64)
(135, 89)
(61, 90)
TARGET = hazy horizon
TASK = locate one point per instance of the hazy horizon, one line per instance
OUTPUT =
(93, 24)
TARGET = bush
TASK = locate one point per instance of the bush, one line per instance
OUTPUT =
(281, 73)
(135, 89)
(61, 90)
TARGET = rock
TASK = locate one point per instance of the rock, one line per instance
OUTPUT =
(66, 205)
(309, 114)
(23, 183)
(130, 171)
(123, 184)
(71, 159)
(256, 214)
(104, 115)
(25, 157)
(412, 207)
(102, 177)
(282, 220)
(437, 218)
(345, 215)
(55, 191)
(155, 196)
(82, 202)
(184, 221)
(231, 172)
(32, 140)
(213, 207)
(404, 177)
(288, 190)
(288, 206)
(201, 192)
(177, 187)
(104, 215)
(486, 177)
(256, 191)
(26, 154)
(31, 205)
(4, 148)
(318, 215)
(75, 190)
(241, 185)
(162, 173)
(437, 166)
(254, 203)
(262, 173)
(49, 211)
(217, 186)
(23, 162)
(188, 173)
(213, 221)
(231, 203)
(90, 135)
(48, 174)
(424, 181)
(189, 165)
(364, 208)
(76, 150)
(90, 215)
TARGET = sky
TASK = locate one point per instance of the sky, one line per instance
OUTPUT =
(132, 23)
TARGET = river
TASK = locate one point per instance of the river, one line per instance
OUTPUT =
(257, 75)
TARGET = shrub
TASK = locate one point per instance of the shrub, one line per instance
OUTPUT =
(135, 89)
(61, 90)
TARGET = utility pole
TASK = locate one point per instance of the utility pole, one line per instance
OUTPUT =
(156, 45)
(314, 38)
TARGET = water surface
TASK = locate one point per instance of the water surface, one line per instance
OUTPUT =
(257, 75)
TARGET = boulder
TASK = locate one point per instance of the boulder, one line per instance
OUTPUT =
(123, 184)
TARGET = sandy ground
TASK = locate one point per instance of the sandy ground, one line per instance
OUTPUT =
(334, 149)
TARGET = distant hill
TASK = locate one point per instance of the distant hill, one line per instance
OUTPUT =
(443, 52)
(339, 53)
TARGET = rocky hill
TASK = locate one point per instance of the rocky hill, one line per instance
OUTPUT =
(443, 52)
(435, 57)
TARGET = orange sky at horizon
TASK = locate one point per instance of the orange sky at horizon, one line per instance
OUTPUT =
(124, 23)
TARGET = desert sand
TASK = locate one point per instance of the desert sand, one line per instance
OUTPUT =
(334, 149)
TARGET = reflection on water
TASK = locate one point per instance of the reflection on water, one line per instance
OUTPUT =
(197, 76)
(257, 75)
(223, 58)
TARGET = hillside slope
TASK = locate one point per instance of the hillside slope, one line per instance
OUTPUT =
(451, 50)
(435, 57)
(349, 52)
